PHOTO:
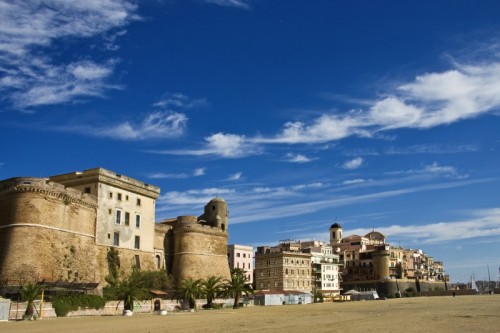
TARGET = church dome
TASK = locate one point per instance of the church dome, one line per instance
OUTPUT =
(335, 225)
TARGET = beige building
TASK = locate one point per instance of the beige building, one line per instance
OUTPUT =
(283, 267)
(241, 256)
(125, 209)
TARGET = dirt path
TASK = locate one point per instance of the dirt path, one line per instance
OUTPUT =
(425, 314)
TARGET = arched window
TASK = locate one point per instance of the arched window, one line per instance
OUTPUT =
(158, 261)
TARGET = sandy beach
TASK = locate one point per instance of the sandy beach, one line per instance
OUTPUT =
(426, 314)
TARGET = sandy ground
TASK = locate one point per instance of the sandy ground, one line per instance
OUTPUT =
(424, 314)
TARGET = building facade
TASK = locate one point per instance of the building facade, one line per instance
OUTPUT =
(241, 256)
(325, 265)
(283, 267)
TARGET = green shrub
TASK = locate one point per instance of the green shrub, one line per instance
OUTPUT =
(63, 304)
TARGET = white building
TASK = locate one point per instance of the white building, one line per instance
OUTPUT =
(241, 256)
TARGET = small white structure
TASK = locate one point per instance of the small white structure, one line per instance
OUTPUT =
(4, 309)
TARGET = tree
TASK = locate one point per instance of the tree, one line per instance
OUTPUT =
(129, 290)
(210, 288)
(237, 286)
(29, 292)
(188, 290)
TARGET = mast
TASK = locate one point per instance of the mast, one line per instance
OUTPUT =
(489, 277)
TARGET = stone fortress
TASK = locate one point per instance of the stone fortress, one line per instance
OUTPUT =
(60, 229)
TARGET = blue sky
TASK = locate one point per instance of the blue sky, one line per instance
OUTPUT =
(380, 115)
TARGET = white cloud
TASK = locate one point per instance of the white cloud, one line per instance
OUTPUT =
(235, 176)
(160, 175)
(156, 125)
(433, 169)
(28, 30)
(243, 4)
(297, 158)
(353, 181)
(353, 164)
(431, 149)
(432, 99)
(179, 100)
(483, 223)
(221, 145)
(45, 84)
(199, 172)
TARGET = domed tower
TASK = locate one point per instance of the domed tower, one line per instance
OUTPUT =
(335, 234)
(216, 213)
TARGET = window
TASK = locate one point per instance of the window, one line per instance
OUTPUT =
(158, 261)
(119, 196)
(126, 197)
(138, 202)
(237, 254)
(118, 216)
(138, 221)
(137, 242)
(127, 219)
(86, 190)
(116, 239)
(244, 255)
(111, 195)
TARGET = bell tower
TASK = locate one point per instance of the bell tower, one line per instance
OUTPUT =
(335, 234)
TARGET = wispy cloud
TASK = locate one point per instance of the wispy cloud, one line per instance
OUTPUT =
(353, 164)
(354, 181)
(243, 4)
(160, 175)
(262, 203)
(483, 223)
(431, 100)
(199, 172)
(221, 145)
(180, 101)
(156, 125)
(431, 149)
(297, 158)
(28, 30)
(235, 176)
(435, 169)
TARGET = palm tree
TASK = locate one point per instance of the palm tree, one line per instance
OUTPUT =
(129, 290)
(29, 292)
(210, 288)
(237, 286)
(188, 290)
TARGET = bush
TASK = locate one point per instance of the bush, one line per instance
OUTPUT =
(63, 304)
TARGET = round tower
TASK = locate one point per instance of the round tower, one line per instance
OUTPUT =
(381, 263)
(335, 234)
(216, 213)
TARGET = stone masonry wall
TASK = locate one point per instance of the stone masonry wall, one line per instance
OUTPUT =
(46, 233)
(200, 252)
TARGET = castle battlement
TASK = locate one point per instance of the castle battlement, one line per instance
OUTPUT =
(45, 186)
(101, 175)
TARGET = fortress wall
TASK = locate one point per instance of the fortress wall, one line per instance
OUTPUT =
(200, 252)
(127, 261)
(391, 287)
(46, 232)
